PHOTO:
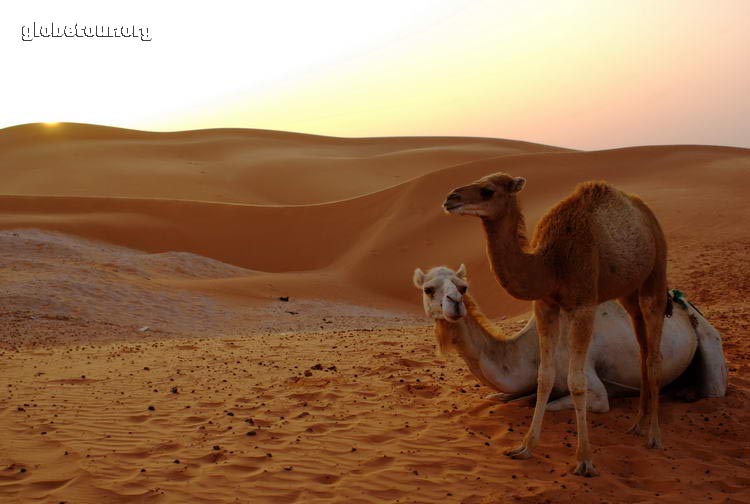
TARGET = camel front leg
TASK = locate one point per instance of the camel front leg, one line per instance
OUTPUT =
(581, 323)
(548, 324)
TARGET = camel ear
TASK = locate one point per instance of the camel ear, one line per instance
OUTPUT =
(418, 278)
(461, 272)
(516, 184)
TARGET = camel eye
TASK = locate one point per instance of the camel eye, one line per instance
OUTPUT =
(462, 289)
(486, 192)
(429, 291)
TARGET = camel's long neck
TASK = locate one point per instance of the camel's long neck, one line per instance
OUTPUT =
(524, 274)
(503, 362)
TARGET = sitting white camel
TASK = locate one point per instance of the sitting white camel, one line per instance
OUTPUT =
(691, 348)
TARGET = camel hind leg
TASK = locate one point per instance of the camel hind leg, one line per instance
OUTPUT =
(652, 300)
(632, 306)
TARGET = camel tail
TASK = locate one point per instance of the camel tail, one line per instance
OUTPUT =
(677, 296)
(670, 305)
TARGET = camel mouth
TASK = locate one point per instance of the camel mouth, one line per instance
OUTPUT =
(453, 318)
(449, 207)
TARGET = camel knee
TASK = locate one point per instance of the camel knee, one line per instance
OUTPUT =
(595, 402)
(577, 383)
(598, 404)
(560, 404)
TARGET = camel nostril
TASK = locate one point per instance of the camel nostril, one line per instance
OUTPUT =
(453, 197)
(452, 300)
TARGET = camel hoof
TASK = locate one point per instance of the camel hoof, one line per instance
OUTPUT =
(519, 452)
(586, 469)
(636, 429)
(654, 442)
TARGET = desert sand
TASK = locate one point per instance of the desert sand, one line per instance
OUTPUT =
(228, 316)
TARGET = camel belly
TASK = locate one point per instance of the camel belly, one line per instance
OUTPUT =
(501, 377)
(614, 354)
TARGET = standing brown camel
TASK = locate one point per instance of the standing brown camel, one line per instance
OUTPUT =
(597, 244)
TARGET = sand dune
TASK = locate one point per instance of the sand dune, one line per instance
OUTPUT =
(372, 240)
(225, 165)
(196, 235)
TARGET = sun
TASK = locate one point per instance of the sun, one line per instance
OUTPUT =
(50, 124)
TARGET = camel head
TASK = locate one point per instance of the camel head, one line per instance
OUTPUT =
(443, 292)
(489, 196)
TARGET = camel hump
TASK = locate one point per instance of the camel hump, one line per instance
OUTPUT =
(591, 205)
(585, 199)
(594, 191)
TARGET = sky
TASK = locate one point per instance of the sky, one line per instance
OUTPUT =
(583, 74)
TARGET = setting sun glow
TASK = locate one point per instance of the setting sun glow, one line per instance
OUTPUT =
(578, 74)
